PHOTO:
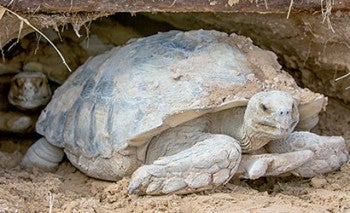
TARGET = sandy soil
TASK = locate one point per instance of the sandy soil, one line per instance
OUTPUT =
(68, 190)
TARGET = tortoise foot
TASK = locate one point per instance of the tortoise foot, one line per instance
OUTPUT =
(42, 155)
(207, 164)
(16, 122)
(330, 152)
(256, 166)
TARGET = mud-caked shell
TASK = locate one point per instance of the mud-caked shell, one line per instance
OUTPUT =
(128, 95)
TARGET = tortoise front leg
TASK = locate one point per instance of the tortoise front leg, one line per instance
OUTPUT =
(16, 122)
(206, 164)
(329, 152)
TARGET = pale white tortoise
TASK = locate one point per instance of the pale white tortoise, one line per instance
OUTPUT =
(183, 112)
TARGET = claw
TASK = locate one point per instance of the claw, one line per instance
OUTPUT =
(329, 152)
(205, 165)
(255, 166)
(132, 189)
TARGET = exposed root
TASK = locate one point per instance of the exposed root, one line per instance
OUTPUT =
(290, 8)
(23, 20)
(266, 6)
(2, 12)
(342, 77)
(326, 10)
(11, 2)
(20, 31)
(172, 4)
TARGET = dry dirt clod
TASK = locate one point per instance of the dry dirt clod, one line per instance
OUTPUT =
(318, 182)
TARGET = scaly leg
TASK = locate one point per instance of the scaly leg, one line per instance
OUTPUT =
(329, 152)
(16, 122)
(206, 164)
(42, 155)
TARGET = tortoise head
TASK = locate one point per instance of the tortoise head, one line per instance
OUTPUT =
(29, 90)
(271, 114)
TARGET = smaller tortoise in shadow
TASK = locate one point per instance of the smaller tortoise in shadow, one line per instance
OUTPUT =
(183, 112)
(25, 94)
(28, 92)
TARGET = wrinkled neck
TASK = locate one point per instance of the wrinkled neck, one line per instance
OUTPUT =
(251, 139)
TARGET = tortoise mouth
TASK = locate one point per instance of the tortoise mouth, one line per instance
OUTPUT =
(277, 131)
(29, 103)
(21, 99)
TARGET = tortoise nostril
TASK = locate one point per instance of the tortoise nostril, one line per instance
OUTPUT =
(284, 112)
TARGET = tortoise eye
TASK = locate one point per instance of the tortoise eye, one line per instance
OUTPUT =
(294, 108)
(41, 83)
(18, 83)
(263, 107)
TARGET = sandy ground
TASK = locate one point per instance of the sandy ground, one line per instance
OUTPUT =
(68, 190)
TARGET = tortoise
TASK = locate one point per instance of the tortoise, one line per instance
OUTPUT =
(27, 79)
(182, 112)
(22, 96)
(29, 90)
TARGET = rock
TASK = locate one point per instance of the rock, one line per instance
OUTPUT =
(318, 182)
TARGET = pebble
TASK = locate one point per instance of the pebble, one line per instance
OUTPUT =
(318, 182)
